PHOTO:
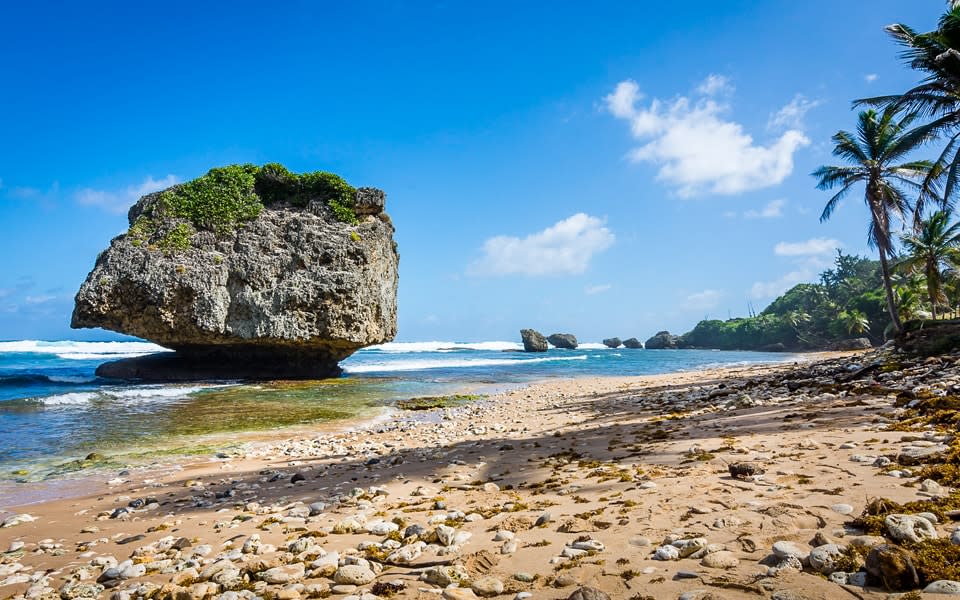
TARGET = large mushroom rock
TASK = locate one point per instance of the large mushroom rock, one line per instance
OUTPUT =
(632, 343)
(533, 340)
(563, 340)
(247, 272)
(613, 342)
(662, 340)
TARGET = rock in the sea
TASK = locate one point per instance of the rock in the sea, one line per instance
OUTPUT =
(533, 340)
(893, 566)
(662, 340)
(563, 340)
(247, 272)
(613, 342)
(632, 343)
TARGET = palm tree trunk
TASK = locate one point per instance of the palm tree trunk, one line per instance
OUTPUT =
(888, 288)
(933, 302)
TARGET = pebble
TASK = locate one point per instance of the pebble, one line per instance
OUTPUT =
(909, 528)
(284, 574)
(687, 575)
(943, 586)
(353, 575)
(458, 594)
(445, 534)
(955, 538)
(932, 488)
(523, 576)
(487, 587)
(666, 553)
(14, 520)
(822, 558)
(723, 559)
(786, 549)
(503, 535)
(543, 519)
(843, 509)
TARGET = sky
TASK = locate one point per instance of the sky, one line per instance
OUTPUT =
(605, 169)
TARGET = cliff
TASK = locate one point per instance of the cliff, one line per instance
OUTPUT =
(247, 272)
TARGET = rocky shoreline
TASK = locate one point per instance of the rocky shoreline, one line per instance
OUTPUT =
(787, 482)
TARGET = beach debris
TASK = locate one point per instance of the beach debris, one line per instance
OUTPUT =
(744, 470)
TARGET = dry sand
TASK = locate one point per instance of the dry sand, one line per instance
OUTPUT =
(617, 466)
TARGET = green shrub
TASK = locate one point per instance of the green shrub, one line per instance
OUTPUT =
(228, 196)
(177, 239)
(217, 201)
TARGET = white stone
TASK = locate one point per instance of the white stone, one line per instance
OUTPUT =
(909, 528)
(785, 549)
(666, 553)
(354, 575)
(943, 586)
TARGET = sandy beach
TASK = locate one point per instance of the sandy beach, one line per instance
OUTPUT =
(616, 484)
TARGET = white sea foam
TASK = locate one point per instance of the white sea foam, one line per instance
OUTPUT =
(592, 346)
(465, 363)
(68, 399)
(402, 347)
(125, 395)
(70, 379)
(82, 350)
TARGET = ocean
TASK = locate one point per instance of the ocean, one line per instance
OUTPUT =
(58, 420)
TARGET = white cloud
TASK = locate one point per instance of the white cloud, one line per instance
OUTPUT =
(702, 300)
(811, 247)
(41, 299)
(715, 85)
(597, 289)
(563, 248)
(771, 289)
(870, 77)
(809, 257)
(119, 201)
(696, 148)
(771, 210)
(790, 117)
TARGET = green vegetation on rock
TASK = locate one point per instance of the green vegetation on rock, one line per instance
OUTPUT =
(226, 197)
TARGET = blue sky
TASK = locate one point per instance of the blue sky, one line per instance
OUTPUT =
(606, 169)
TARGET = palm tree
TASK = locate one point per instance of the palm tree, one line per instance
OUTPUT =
(937, 54)
(873, 155)
(932, 248)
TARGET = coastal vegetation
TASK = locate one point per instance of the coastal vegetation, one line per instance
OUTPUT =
(225, 197)
(918, 272)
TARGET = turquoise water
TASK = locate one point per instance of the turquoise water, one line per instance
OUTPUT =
(54, 411)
